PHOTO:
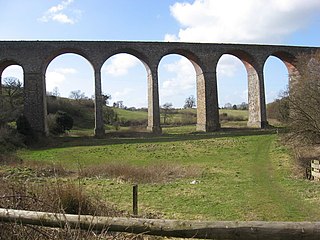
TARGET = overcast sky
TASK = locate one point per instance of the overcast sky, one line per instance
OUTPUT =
(287, 22)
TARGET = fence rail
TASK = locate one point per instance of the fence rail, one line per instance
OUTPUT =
(169, 228)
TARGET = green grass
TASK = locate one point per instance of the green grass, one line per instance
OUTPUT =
(131, 115)
(141, 115)
(236, 113)
(243, 175)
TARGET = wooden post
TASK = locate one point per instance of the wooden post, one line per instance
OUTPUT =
(135, 199)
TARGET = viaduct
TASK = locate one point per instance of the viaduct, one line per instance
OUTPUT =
(35, 56)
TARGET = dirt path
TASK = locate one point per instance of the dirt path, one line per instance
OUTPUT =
(268, 191)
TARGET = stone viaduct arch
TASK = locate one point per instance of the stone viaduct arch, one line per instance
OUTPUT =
(35, 56)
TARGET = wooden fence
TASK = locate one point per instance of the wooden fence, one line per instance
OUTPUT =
(315, 169)
(169, 228)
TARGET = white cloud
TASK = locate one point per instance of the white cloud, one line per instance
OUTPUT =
(58, 13)
(119, 95)
(184, 79)
(228, 66)
(120, 64)
(235, 21)
(66, 70)
(250, 21)
(57, 76)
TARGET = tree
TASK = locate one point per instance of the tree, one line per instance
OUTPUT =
(55, 92)
(190, 102)
(304, 98)
(13, 91)
(11, 100)
(279, 109)
(243, 106)
(166, 109)
(228, 106)
(106, 98)
(77, 95)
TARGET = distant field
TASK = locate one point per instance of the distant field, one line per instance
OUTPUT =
(239, 175)
(132, 115)
(140, 115)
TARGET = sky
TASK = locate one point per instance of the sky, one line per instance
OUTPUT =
(284, 22)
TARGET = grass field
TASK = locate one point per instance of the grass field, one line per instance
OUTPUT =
(235, 175)
(140, 115)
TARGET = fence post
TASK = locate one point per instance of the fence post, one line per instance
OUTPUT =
(135, 199)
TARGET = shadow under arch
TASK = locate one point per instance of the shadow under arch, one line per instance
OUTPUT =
(256, 95)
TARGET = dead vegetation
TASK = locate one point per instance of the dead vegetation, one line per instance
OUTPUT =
(53, 188)
(157, 173)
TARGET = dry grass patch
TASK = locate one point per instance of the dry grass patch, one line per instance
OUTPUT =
(303, 153)
(60, 197)
(157, 173)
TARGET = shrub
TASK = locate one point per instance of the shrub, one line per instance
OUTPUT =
(279, 110)
(188, 118)
(226, 117)
(64, 121)
(23, 126)
(60, 122)
(10, 139)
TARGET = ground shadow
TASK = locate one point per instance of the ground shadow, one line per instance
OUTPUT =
(145, 137)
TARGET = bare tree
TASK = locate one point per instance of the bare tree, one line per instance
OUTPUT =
(55, 92)
(304, 98)
(77, 95)
(166, 109)
(13, 91)
(11, 100)
(190, 102)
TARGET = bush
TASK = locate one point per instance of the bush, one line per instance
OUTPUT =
(10, 139)
(60, 122)
(226, 117)
(23, 126)
(188, 118)
(279, 110)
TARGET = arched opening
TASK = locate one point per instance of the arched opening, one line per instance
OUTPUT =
(11, 91)
(70, 89)
(124, 81)
(178, 92)
(232, 91)
(278, 71)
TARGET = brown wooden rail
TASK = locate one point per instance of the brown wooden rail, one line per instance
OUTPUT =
(169, 228)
